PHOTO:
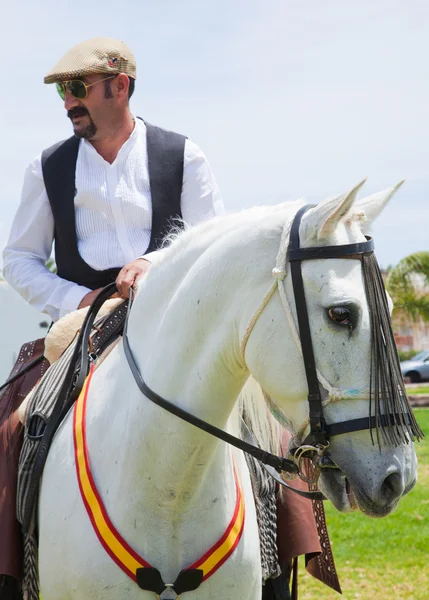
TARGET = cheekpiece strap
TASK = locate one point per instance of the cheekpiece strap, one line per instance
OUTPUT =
(318, 431)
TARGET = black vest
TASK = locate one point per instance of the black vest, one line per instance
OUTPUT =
(165, 151)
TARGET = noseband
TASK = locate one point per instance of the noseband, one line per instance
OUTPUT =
(317, 441)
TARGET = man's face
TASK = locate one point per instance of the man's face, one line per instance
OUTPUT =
(89, 114)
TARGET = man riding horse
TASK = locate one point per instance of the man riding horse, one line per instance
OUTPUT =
(106, 196)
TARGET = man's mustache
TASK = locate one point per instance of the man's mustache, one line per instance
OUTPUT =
(77, 111)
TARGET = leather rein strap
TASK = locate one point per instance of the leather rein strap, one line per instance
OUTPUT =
(272, 463)
(320, 431)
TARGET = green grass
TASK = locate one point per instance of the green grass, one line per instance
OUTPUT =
(424, 389)
(384, 559)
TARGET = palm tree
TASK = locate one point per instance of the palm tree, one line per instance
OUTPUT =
(408, 286)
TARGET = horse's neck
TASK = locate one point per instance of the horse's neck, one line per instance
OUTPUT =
(186, 352)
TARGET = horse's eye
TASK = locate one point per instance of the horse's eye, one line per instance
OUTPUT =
(340, 315)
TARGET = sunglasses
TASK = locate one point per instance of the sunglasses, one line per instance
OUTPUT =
(76, 88)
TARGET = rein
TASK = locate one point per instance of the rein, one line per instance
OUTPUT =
(273, 464)
(315, 444)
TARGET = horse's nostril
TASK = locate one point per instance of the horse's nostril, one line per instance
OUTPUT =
(393, 485)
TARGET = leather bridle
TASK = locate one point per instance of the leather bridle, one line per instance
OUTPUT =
(320, 431)
(272, 463)
(317, 441)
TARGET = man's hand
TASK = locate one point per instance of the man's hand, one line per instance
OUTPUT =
(129, 275)
(88, 299)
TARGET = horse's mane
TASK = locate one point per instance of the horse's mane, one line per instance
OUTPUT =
(266, 429)
(182, 236)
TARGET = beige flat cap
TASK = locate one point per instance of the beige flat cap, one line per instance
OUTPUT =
(99, 55)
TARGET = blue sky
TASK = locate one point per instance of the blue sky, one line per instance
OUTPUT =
(291, 98)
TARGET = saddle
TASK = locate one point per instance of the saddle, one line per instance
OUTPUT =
(63, 332)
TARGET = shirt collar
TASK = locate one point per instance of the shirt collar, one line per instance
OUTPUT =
(137, 132)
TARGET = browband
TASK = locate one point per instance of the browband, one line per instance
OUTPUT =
(348, 250)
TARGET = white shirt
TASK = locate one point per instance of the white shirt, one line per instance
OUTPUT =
(113, 218)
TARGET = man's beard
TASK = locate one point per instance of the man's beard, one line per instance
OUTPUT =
(90, 130)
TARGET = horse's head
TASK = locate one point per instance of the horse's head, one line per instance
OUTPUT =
(374, 467)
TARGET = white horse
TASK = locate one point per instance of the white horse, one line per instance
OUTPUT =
(169, 487)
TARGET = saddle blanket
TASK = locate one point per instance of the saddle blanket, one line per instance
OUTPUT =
(42, 400)
(40, 404)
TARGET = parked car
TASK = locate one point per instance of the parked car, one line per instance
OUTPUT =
(416, 369)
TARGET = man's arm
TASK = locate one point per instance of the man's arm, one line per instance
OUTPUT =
(201, 199)
(30, 246)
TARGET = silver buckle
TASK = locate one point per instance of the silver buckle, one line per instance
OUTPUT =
(315, 454)
(169, 593)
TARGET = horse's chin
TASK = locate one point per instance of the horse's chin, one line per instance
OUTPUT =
(347, 497)
(335, 486)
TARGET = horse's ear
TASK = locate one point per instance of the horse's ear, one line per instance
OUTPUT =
(371, 206)
(322, 220)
